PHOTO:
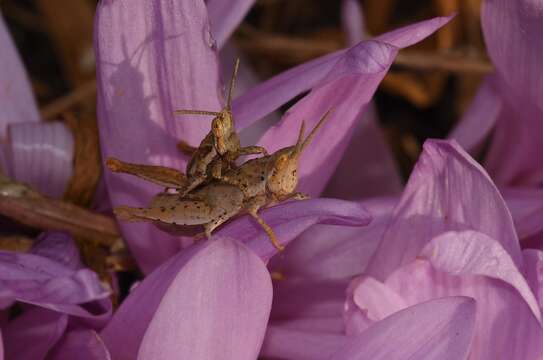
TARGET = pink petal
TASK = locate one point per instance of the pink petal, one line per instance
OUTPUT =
(378, 177)
(81, 344)
(286, 343)
(275, 92)
(512, 33)
(93, 314)
(474, 253)
(32, 334)
(368, 301)
(526, 206)
(41, 155)
(294, 298)
(152, 57)
(519, 335)
(1, 346)
(210, 301)
(225, 16)
(288, 220)
(37, 278)
(347, 89)
(480, 117)
(447, 190)
(17, 102)
(352, 21)
(328, 324)
(533, 270)
(335, 251)
(440, 329)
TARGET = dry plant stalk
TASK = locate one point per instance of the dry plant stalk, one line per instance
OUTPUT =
(21, 203)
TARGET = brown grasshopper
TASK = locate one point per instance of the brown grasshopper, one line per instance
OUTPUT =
(257, 183)
(216, 154)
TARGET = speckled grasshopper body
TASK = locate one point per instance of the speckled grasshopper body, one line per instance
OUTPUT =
(257, 183)
(215, 155)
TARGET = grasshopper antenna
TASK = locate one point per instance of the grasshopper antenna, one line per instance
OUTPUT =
(196, 112)
(300, 143)
(232, 85)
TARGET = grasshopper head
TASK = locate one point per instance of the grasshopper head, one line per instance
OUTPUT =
(284, 173)
(222, 128)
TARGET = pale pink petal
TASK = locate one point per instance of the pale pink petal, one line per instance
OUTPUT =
(218, 306)
(225, 17)
(32, 334)
(533, 270)
(479, 119)
(441, 329)
(284, 343)
(41, 155)
(152, 57)
(308, 298)
(412, 34)
(447, 190)
(519, 334)
(473, 253)
(290, 219)
(81, 344)
(210, 301)
(368, 301)
(17, 102)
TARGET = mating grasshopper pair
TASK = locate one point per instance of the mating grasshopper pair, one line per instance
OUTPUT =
(215, 189)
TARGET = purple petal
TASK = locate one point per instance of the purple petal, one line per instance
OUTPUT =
(80, 344)
(275, 92)
(496, 304)
(225, 16)
(480, 117)
(352, 21)
(41, 155)
(290, 219)
(93, 314)
(526, 206)
(1, 346)
(284, 343)
(513, 156)
(512, 32)
(335, 251)
(36, 278)
(144, 73)
(17, 102)
(378, 177)
(533, 270)
(32, 334)
(210, 301)
(308, 298)
(446, 191)
(441, 329)
(58, 247)
(474, 253)
(328, 324)
(368, 301)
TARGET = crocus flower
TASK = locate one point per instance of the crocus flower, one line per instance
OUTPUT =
(33, 152)
(157, 56)
(61, 301)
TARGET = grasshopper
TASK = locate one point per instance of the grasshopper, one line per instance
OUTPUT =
(216, 154)
(255, 184)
